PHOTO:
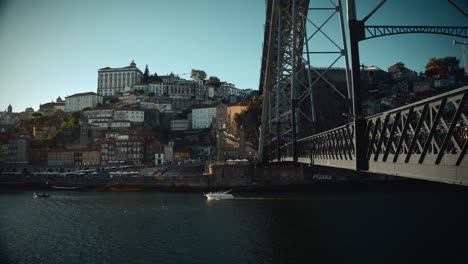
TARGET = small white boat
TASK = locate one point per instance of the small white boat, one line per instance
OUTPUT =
(43, 195)
(221, 195)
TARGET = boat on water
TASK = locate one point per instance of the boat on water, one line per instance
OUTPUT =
(66, 188)
(125, 189)
(220, 195)
(42, 195)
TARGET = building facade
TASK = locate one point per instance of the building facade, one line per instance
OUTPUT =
(203, 116)
(18, 151)
(80, 101)
(181, 125)
(111, 81)
(156, 89)
(132, 115)
(123, 149)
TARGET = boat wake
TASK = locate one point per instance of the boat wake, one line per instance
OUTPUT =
(259, 198)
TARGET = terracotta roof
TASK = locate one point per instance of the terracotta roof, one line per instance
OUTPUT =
(82, 94)
(51, 105)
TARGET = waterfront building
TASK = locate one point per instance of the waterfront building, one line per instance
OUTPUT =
(122, 148)
(38, 156)
(87, 157)
(70, 157)
(111, 81)
(168, 153)
(60, 157)
(18, 151)
(80, 101)
(3, 150)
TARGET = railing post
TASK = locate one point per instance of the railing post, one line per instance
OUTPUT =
(356, 31)
(295, 53)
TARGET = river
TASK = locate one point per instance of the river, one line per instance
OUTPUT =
(373, 223)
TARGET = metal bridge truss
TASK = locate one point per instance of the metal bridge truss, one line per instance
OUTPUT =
(380, 31)
(286, 82)
(425, 140)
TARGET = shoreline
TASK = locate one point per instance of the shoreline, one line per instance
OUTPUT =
(357, 185)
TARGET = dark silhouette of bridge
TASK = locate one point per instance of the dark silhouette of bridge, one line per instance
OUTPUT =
(425, 140)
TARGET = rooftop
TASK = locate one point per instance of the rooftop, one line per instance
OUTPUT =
(82, 94)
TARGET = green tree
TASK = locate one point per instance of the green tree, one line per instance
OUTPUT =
(440, 68)
(398, 67)
(37, 114)
(250, 119)
(213, 80)
(146, 74)
(198, 74)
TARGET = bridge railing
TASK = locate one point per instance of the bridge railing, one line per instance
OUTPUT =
(333, 148)
(432, 132)
(427, 137)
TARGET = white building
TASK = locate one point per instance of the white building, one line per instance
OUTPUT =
(134, 116)
(8, 118)
(112, 124)
(180, 125)
(168, 155)
(111, 81)
(81, 101)
(110, 118)
(178, 88)
(203, 116)
(156, 88)
(158, 159)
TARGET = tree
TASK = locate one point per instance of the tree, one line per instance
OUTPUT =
(250, 119)
(198, 74)
(398, 67)
(146, 74)
(440, 68)
(213, 80)
(37, 114)
(155, 78)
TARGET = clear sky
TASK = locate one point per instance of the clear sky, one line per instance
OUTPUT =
(52, 48)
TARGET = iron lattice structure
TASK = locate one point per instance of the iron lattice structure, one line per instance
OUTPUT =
(286, 84)
(426, 140)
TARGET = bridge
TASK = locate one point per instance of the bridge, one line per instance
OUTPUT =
(426, 140)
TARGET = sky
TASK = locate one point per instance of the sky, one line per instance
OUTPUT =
(53, 48)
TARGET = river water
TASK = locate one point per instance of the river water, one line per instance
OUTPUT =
(372, 223)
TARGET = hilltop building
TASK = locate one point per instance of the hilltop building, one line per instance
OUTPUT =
(111, 81)
(48, 109)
